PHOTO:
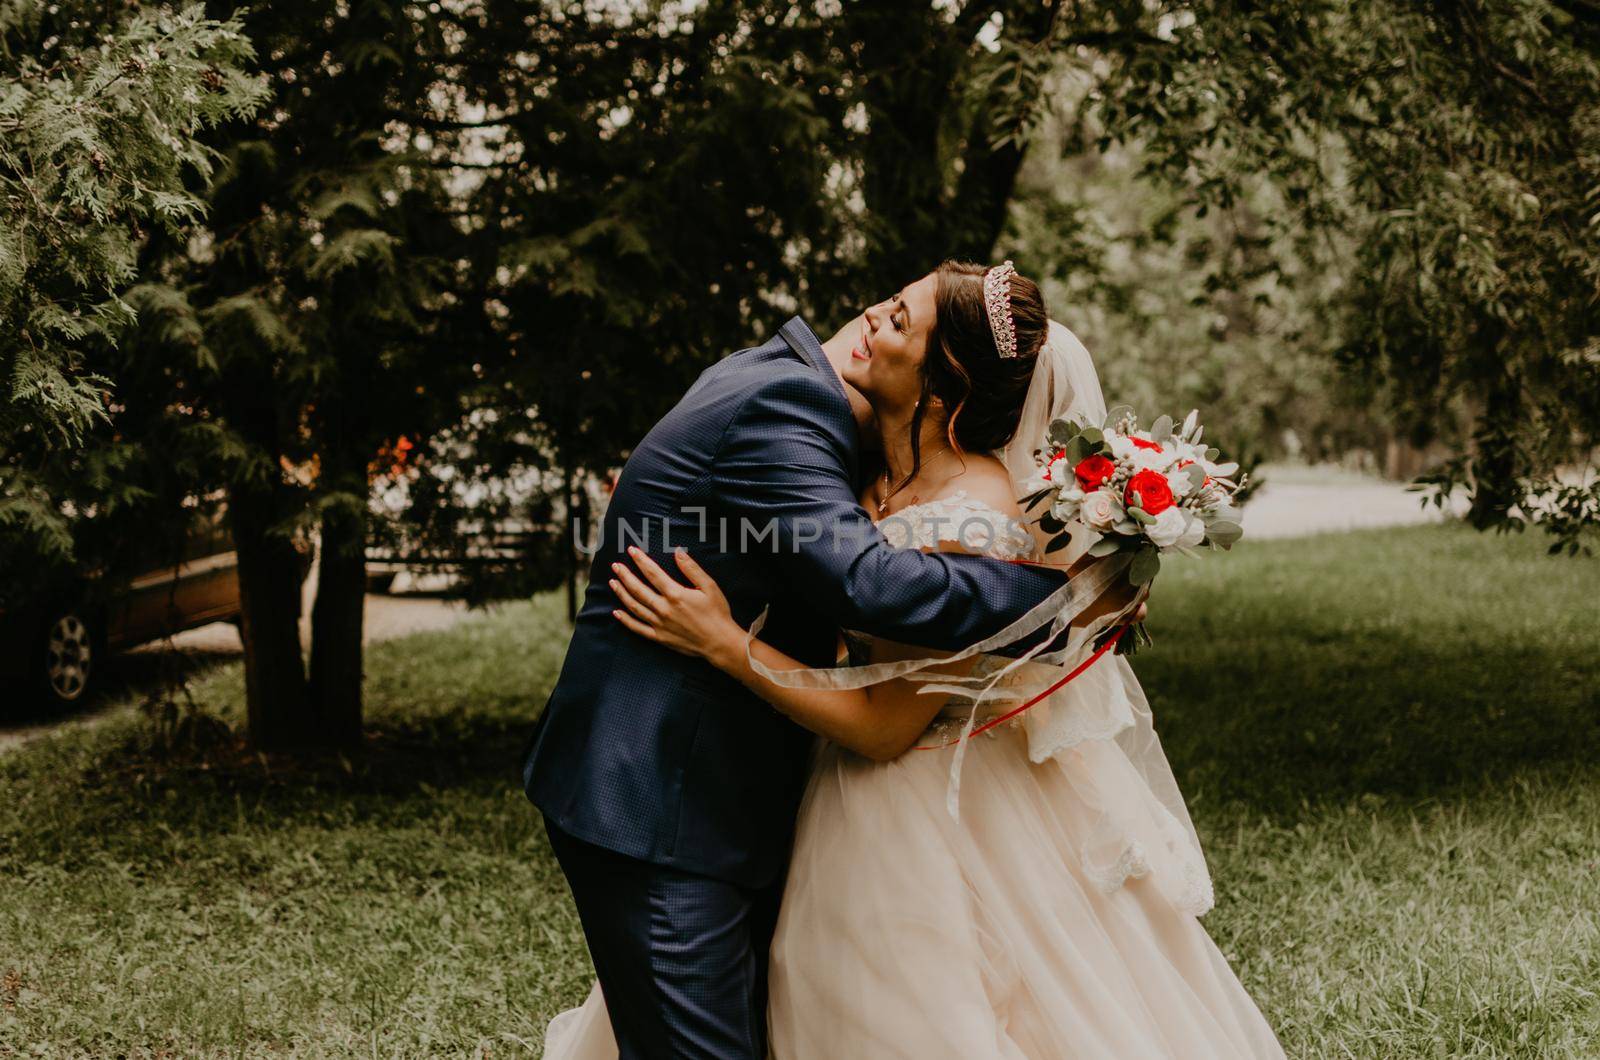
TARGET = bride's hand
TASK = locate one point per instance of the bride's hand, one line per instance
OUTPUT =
(693, 619)
(1122, 598)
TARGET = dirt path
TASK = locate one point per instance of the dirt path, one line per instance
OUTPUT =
(1295, 502)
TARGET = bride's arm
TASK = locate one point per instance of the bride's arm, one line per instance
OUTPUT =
(881, 722)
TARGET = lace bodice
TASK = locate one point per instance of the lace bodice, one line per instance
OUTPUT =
(969, 522)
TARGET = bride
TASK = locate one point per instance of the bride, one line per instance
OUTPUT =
(1029, 892)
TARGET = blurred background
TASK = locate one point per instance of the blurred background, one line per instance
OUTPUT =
(322, 322)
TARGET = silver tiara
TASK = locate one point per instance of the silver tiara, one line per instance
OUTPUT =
(997, 300)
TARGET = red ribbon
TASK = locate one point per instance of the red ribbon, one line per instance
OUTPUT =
(991, 723)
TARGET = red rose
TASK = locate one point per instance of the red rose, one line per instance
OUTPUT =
(1148, 490)
(1092, 471)
(1145, 443)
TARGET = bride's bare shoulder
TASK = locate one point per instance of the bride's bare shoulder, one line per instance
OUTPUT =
(984, 479)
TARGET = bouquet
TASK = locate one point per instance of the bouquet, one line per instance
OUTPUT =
(1145, 492)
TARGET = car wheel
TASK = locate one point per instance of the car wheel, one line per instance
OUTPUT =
(68, 659)
(380, 581)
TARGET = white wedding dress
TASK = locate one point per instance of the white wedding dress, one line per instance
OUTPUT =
(1055, 916)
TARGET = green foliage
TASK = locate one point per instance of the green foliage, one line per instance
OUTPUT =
(660, 188)
(1447, 156)
(100, 138)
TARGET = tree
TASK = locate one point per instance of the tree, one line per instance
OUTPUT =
(100, 141)
(1454, 144)
(659, 188)
(313, 321)
(1184, 311)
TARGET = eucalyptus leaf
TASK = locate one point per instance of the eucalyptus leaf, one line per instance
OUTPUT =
(1104, 547)
(1161, 429)
(1197, 476)
(1115, 414)
(1094, 436)
(1146, 565)
(1224, 534)
(1060, 433)
(1141, 516)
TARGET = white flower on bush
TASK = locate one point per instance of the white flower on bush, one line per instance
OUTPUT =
(1066, 504)
(1168, 528)
(1100, 511)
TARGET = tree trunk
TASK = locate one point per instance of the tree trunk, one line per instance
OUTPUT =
(989, 176)
(337, 619)
(277, 709)
(1495, 462)
(905, 181)
(903, 178)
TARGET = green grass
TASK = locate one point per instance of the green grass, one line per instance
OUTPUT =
(1386, 737)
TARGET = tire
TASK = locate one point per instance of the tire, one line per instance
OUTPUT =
(380, 581)
(68, 658)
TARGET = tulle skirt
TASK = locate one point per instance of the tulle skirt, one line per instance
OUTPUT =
(906, 933)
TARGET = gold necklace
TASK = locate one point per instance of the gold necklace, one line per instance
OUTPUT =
(884, 503)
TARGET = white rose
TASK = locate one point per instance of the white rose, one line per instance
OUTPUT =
(1193, 532)
(1167, 529)
(1066, 505)
(1179, 481)
(1100, 511)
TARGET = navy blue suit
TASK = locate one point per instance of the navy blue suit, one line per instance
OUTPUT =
(670, 790)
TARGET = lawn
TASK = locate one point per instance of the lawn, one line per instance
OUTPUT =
(1386, 738)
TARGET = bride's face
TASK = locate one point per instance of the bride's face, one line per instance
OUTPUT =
(886, 361)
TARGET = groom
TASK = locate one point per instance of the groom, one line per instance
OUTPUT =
(669, 791)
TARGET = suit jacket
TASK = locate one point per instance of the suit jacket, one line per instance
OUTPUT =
(653, 754)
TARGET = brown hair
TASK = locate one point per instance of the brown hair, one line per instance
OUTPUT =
(963, 368)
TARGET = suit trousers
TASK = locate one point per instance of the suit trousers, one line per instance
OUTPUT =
(681, 958)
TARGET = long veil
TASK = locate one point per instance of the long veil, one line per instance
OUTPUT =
(1107, 696)
(1099, 724)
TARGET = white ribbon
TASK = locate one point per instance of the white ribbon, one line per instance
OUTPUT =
(1057, 611)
